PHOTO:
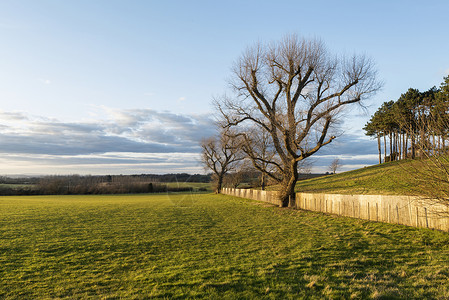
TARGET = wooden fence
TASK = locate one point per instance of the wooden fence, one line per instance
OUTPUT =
(405, 210)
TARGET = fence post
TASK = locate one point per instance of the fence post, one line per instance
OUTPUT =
(397, 212)
(377, 212)
(427, 221)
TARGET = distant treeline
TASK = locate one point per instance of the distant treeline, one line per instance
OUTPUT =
(415, 125)
(108, 184)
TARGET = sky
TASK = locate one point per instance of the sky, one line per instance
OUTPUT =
(125, 87)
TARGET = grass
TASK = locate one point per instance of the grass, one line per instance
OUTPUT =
(393, 178)
(208, 246)
(15, 185)
(196, 186)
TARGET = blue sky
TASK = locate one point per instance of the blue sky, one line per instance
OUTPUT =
(123, 87)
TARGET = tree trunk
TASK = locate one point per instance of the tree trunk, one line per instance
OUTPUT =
(391, 147)
(385, 148)
(287, 193)
(438, 145)
(422, 143)
(405, 145)
(262, 183)
(443, 145)
(395, 143)
(433, 146)
(379, 148)
(219, 184)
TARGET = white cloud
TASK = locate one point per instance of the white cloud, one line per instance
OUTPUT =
(12, 116)
(98, 164)
(122, 142)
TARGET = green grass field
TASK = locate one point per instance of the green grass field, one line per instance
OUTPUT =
(393, 178)
(208, 246)
(9, 185)
(196, 186)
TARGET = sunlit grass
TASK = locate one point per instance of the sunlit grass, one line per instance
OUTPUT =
(394, 178)
(208, 246)
(195, 186)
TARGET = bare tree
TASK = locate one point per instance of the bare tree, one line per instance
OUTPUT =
(294, 91)
(233, 179)
(241, 173)
(258, 146)
(221, 154)
(334, 166)
(430, 174)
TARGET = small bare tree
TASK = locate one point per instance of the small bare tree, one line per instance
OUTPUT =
(334, 166)
(240, 174)
(430, 173)
(258, 147)
(221, 155)
(293, 91)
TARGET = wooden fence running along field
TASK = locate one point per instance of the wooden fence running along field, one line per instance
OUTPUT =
(405, 210)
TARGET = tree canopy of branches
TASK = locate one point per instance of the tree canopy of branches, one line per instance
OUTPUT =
(293, 90)
(415, 124)
(257, 145)
(221, 154)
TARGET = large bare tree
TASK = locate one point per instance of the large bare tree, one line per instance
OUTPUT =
(221, 154)
(293, 90)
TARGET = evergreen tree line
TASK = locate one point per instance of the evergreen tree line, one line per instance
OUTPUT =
(415, 125)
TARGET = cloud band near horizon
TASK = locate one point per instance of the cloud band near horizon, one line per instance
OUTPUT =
(119, 142)
(132, 141)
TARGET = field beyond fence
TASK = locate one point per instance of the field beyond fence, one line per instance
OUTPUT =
(405, 210)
